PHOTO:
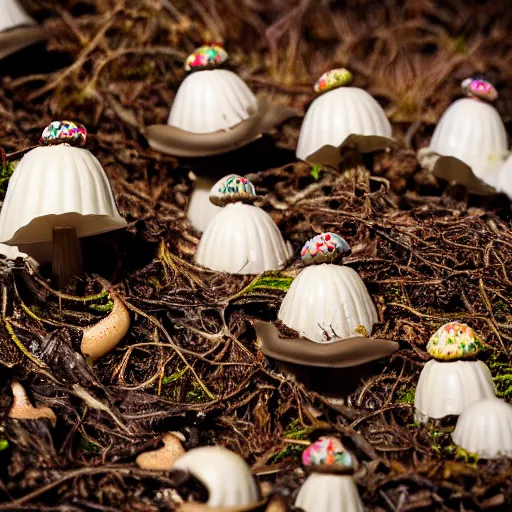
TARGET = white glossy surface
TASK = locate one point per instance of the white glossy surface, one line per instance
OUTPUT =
(473, 132)
(326, 303)
(485, 428)
(57, 186)
(11, 252)
(446, 388)
(337, 114)
(225, 474)
(13, 15)
(242, 239)
(504, 181)
(211, 100)
(200, 210)
(322, 492)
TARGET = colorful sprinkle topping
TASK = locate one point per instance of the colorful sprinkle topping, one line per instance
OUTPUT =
(206, 57)
(333, 79)
(454, 340)
(323, 248)
(481, 89)
(328, 451)
(58, 132)
(231, 189)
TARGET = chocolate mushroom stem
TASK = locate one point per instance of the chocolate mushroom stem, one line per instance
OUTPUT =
(102, 337)
(67, 262)
(22, 409)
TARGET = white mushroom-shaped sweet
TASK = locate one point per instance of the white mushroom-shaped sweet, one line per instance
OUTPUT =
(504, 180)
(214, 112)
(58, 193)
(469, 143)
(242, 238)
(328, 305)
(164, 458)
(330, 487)
(17, 28)
(226, 476)
(22, 409)
(341, 117)
(327, 302)
(485, 428)
(450, 383)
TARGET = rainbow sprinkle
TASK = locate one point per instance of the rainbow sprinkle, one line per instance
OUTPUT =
(454, 340)
(58, 132)
(481, 89)
(332, 80)
(232, 188)
(206, 57)
(328, 451)
(323, 248)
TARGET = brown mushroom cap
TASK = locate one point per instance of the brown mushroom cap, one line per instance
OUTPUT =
(340, 354)
(332, 156)
(164, 458)
(452, 169)
(174, 141)
(22, 409)
(17, 38)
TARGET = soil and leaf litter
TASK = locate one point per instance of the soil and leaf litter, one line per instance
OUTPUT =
(190, 363)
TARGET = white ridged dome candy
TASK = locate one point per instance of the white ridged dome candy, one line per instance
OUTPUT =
(242, 239)
(225, 475)
(13, 15)
(449, 387)
(214, 111)
(57, 186)
(485, 428)
(342, 113)
(470, 132)
(326, 303)
(211, 100)
(322, 492)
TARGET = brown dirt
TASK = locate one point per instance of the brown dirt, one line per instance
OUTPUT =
(428, 253)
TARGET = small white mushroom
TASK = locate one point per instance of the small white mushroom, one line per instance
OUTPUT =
(57, 194)
(164, 458)
(228, 479)
(22, 409)
(485, 428)
(448, 384)
(341, 117)
(469, 143)
(102, 337)
(242, 238)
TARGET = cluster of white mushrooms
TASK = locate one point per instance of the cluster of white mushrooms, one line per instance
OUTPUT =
(59, 193)
(455, 383)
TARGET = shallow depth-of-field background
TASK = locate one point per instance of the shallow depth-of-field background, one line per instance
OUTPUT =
(427, 253)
